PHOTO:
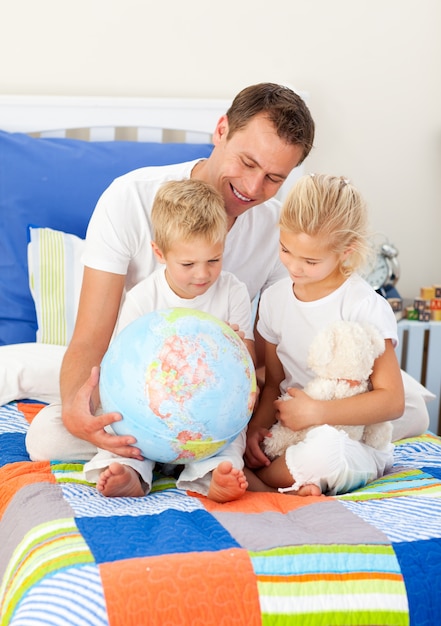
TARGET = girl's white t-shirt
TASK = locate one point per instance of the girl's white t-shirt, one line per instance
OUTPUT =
(291, 324)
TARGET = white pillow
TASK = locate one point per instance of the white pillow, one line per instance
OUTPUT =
(30, 370)
(55, 276)
(411, 385)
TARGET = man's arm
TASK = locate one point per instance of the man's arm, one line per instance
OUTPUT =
(97, 314)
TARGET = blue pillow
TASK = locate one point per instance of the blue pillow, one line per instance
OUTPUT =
(56, 183)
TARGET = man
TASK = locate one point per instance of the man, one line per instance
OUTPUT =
(267, 131)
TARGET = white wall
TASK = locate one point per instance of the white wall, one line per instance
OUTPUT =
(372, 68)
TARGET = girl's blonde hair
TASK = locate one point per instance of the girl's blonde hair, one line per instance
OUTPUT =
(329, 207)
(184, 209)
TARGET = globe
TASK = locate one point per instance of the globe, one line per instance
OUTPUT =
(183, 381)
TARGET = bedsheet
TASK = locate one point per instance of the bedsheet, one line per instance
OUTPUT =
(71, 556)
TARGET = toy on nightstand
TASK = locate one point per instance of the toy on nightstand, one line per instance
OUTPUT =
(427, 307)
(342, 356)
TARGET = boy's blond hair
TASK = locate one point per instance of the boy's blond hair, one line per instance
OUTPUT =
(184, 209)
(329, 207)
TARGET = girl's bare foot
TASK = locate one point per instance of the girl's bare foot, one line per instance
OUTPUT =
(227, 483)
(256, 484)
(308, 490)
(119, 480)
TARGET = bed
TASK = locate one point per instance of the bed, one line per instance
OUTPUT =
(70, 556)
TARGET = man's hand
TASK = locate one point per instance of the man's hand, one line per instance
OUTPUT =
(81, 422)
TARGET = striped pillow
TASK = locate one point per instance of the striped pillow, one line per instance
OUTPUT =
(55, 275)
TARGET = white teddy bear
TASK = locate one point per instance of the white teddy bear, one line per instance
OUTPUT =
(342, 357)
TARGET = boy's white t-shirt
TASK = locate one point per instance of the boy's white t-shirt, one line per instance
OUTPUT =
(292, 324)
(226, 299)
(119, 232)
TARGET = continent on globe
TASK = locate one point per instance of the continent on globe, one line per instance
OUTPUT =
(183, 381)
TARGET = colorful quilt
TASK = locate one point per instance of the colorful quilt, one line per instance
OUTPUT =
(73, 557)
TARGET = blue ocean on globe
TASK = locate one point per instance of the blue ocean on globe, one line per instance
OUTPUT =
(183, 381)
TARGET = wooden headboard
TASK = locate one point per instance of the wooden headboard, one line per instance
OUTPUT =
(52, 115)
(101, 118)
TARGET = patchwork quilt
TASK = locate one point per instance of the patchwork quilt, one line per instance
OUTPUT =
(70, 556)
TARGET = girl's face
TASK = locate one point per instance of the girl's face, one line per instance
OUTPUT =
(310, 262)
(191, 266)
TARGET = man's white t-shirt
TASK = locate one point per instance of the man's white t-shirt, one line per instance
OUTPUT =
(226, 299)
(292, 324)
(119, 233)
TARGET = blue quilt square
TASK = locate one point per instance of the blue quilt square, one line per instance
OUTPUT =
(432, 471)
(12, 448)
(420, 565)
(172, 531)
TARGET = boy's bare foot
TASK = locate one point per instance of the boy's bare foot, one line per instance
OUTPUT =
(227, 483)
(119, 480)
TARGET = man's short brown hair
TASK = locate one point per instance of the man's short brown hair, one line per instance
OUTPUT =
(282, 106)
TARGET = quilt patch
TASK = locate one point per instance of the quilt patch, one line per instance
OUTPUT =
(369, 557)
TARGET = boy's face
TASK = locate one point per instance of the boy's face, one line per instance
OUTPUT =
(191, 266)
(250, 167)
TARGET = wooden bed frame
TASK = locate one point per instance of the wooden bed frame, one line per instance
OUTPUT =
(188, 120)
(52, 115)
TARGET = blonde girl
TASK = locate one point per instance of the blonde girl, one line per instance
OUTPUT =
(323, 242)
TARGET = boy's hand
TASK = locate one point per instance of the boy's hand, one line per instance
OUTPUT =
(237, 330)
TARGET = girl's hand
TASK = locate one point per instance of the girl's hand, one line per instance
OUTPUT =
(254, 455)
(300, 411)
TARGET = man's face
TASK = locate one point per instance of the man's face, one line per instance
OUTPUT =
(250, 167)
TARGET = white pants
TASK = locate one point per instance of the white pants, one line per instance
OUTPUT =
(333, 461)
(48, 439)
(196, 476)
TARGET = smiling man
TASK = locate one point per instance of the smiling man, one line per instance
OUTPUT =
(267, 131)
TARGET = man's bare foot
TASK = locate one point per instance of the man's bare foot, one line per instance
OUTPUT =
(119, 480)
(227, 483)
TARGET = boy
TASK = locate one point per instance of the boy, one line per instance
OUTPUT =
(190, 227)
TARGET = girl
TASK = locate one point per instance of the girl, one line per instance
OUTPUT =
(323, 241)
